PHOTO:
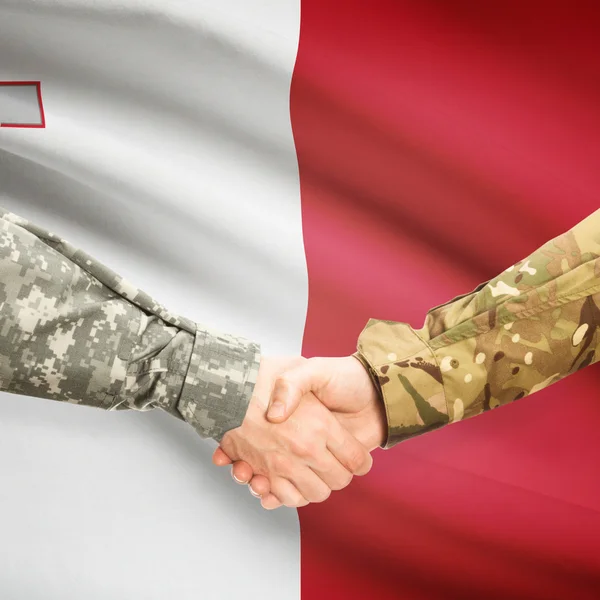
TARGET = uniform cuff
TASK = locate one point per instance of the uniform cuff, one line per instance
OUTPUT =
(408, 376)
(219, 383)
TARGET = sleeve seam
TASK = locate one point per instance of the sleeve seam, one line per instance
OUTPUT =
(524, 312)
(119, 398)
(387, 402)
(437, 364)
(374, 378)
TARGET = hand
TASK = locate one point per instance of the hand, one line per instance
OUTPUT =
(304, 458)
(343, 386)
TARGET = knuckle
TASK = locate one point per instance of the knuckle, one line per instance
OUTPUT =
(322, 465)
(287, 493)
(312, 450)
(343, 481)
(368, 466)
(279, 463)
(297, 447)
(320, 429)
(304, 448)
(356, 461)
(322, 495)
(292, 499)
(282, 384)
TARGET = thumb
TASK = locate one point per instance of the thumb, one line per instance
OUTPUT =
(290, 386)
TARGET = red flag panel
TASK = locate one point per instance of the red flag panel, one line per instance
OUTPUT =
(438, 143)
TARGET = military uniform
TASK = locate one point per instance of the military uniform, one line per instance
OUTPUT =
(73, 330)
(518, 333)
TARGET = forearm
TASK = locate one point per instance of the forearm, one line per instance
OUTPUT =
(74, 331)
(516, 334)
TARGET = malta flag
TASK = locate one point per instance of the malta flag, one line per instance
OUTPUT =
(284, 170)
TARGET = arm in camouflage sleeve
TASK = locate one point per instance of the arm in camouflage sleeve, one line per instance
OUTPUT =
(72, 330)
(518, 333)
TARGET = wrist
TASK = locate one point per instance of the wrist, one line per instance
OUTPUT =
(376, 428)
(377, 424)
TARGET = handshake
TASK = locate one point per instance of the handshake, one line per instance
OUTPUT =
(310, 427)
(311, 423)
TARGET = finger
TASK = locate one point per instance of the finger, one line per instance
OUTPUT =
(352, 455)
(333, 474)
(241, 471)
(259, 486)
(270, 502)
(291, 385)
(309, 484)
(228, 445)
(287, 493)
(219, 458)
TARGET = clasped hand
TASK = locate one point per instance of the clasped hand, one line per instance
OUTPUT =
(310, 427)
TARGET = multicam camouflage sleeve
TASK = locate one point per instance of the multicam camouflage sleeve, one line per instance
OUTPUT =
(72, 330)
(514, 335)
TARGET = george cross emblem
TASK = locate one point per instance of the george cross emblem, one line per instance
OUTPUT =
(21, 104)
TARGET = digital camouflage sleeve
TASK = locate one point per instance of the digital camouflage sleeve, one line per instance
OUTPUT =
(514, 335)
(74, 331)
